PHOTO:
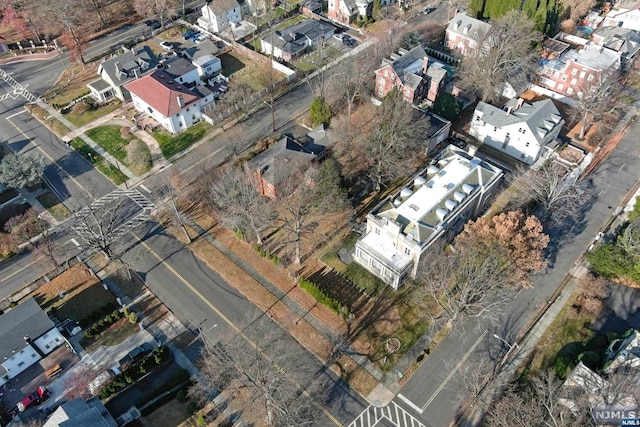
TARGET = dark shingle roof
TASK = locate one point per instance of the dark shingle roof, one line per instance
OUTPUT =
(26, 319)
(308, 29)
(130, 65)
(281, 160)
(176, 67)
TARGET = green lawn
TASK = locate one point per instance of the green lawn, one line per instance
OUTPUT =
(54, 206)
(91, 115)
(291, 21)
(109, 170)
(108, 137)
(360, 277)
(171, 145)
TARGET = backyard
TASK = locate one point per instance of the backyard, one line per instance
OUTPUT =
(121, 144)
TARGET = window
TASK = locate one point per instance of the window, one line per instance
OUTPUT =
(547, 71)
(20, 364)
(590, 78)
(582, 74)
(527, 144)
(377, 231)
(574, 81)
(574, 71)
(579, 94)
(560, 87)
(564, 77)
(570, 91)
(407, 251)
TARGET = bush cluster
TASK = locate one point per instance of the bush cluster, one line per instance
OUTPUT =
(264, 253)
(101, 315)
(135, 371)
(319, 295)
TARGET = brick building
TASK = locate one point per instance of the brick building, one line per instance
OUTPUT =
(464, 34)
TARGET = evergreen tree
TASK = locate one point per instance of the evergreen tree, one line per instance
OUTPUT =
(476, 8)
(320, 111)
(377, 9)
(329, 190)
(530, 7)
(496, 8)
(540, 18)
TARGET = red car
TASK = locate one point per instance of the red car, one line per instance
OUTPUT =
(27, 402)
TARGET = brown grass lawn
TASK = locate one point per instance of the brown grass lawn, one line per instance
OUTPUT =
(83, 294)
(53, 124)
(171, 414)
(114, 334)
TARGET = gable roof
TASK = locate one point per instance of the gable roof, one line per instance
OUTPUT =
(540, 117)
(24, 320)
(475, 29)
(293, 38)
(219, 7)
(78, 413)
(161, 92)
(281, 160)
(623, 40)
(130, 65)
(206, 48)
(407, 65)
(176, 67)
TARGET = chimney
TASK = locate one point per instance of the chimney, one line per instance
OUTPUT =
(27, 339)
(117, 65)
(180, 101)
(509, 111)
(425, 64)
(135, 73)
(520, 102)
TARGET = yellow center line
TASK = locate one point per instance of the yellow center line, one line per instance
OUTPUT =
(19, 270)
(454, 370)
(51, 159)
(234, 327)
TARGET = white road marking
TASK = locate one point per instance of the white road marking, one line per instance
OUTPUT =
(410, 403)
(145, 188)
(15, 114)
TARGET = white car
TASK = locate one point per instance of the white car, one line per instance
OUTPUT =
(338, 36)
(166, 45)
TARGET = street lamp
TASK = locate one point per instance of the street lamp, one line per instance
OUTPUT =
(504, 341)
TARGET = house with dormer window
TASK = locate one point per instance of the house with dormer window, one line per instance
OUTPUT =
(518, 129)
(432, 208)
(464, 34)
(120, 70)
(296, 40)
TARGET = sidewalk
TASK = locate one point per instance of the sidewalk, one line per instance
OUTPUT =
(380, 393)
(78, 132)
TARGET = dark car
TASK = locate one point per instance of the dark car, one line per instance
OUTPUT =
(348, 41)
(188, 34)
(429, 10)
(153, 24)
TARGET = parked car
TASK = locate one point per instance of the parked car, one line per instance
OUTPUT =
(153, 24)
(428, 10)
(102, 379)
(193, 37)
(201, 38)
(166, 45)
(338, 36)
(348, 41)
(28, 401)
(188, 34)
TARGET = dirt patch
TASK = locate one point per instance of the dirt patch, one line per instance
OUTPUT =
(171, 414)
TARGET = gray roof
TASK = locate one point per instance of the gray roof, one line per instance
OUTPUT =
(293, 38)
(540, 117)
(408, 66)
(26, 319)
(436, 73)
(78, 413)
(220, 7)
(475, 29)
(130, 65)
(100, 85)
(594, 57)
(624, 40)
(202, 91)
(281, 160)
(202, 51)
(176, 67)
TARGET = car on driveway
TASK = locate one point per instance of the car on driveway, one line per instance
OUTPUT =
(429, 10)
(188, 34)
(338, 36)
(166, 45)
(348, 41)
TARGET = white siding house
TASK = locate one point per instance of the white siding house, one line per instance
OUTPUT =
(518, 129)
(203, 57)
(171, 104)
(27, 335)
(432, 208)
(219, 14)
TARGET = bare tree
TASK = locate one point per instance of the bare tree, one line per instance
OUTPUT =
(173, 191)
(70, 17)
(351, 83)
(576, 9)
(263, 377)
(321, 82)
(558, 195)
(155, 8)
(395, 139)
(596, 99)
(239, 205)
(268, 77)
(297, 211)
(454, 5)
(505, 49)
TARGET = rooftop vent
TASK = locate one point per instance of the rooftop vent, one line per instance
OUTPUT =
(468, 188)
(406, 192)
(459, 196)
(450, 204)
(397, 202)
(441, 213)
(449, 186)
(414, 207)
(433, 169)
(418, 181)
(442, 172)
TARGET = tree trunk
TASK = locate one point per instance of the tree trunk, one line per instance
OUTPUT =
(583, 127)
(186, 233)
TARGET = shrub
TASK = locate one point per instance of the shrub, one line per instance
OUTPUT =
(133, 318)
(116, 314)
(126, 311)
(88, 333)
(192, 408)
(562, 365)
(320, 111)
(181, 396)
(201, 420)
(108, 319)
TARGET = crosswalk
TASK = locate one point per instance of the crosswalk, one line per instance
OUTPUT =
(392, 414)
(18, 89)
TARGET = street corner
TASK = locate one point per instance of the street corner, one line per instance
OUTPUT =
(380, 396)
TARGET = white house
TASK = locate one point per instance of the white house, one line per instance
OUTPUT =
(77, 412)
(27, 335)
(182, 71)
(518, 129)
(171, 104)
(432, 207)
(203, 56)
(626, 14)
(296, 40)
(219, 14)
(120, 70)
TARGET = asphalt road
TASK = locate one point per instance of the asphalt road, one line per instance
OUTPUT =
(434, 390)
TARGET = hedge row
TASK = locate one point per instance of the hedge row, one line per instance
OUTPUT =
(264, 253)
(134, 372)
(109, 320)
(100, 313)
(319, 295)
